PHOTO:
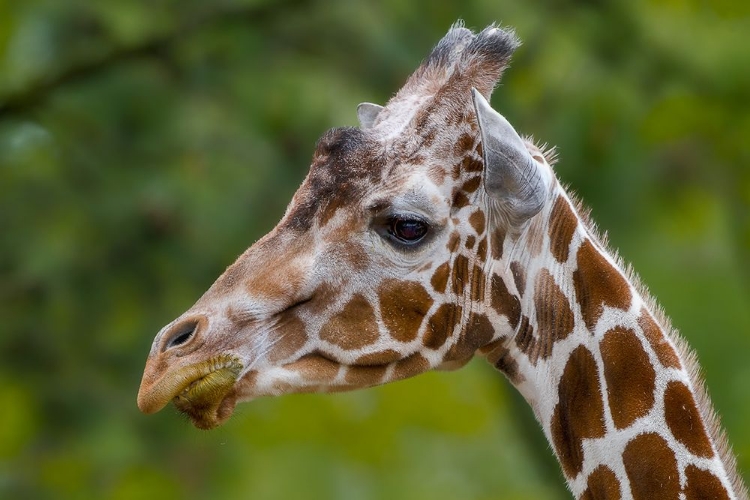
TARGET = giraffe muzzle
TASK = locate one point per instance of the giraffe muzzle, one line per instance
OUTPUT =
(198, 390)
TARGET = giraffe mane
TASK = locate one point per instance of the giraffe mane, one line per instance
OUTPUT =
(548, 151)
(709, 415)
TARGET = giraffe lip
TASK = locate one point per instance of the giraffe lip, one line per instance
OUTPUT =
(201, 385)
(186, 391)
(208, 399)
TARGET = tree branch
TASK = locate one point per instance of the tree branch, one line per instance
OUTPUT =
(37, 92)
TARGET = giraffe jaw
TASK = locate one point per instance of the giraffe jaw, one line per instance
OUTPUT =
(202, 391)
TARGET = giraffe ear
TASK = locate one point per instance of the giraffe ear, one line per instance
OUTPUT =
(512, 177)
(367, 112)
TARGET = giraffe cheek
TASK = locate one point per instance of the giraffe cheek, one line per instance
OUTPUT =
(403, 306)
(292, 336)
(353, 327)
(439, 278)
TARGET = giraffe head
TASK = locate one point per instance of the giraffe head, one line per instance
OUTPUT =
(378, 269)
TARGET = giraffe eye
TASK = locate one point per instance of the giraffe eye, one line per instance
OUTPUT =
(408, 230)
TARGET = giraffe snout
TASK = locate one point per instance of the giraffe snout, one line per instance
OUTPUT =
(177, 370)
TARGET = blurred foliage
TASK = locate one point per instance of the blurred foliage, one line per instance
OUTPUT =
(143, 145)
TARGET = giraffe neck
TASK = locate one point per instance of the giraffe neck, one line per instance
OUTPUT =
(615, 397)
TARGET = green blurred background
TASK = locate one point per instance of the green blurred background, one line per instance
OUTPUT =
(145, 144)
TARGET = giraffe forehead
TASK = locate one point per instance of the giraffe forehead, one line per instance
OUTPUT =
(436, 136)
(415, 191)
(351, 168)
(346, 163)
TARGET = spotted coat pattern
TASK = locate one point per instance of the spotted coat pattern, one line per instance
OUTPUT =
(330, 300)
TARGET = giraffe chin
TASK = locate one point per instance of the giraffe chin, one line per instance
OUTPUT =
(210, 400)
(209, 416)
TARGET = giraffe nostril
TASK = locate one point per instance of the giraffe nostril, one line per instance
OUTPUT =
(180, 334)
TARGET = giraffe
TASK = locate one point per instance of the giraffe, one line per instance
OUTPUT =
(428, 235)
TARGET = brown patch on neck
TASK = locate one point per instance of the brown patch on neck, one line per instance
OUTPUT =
(482, 250)
(471, 185)
(684, 420)
(651, 468)
(499, 356)
(460, 275)
(658, 341)
(579, 413)
(631, 380)
(479, 331)
(702, 485)
(478, 284)
(554, 318)
(535, 241)
(497, 240)
(597, 284)
(562, 226)
(504, 302)
(403, 306)
(519, 276)
(602, 484)
(456, 171)
(525, 339)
